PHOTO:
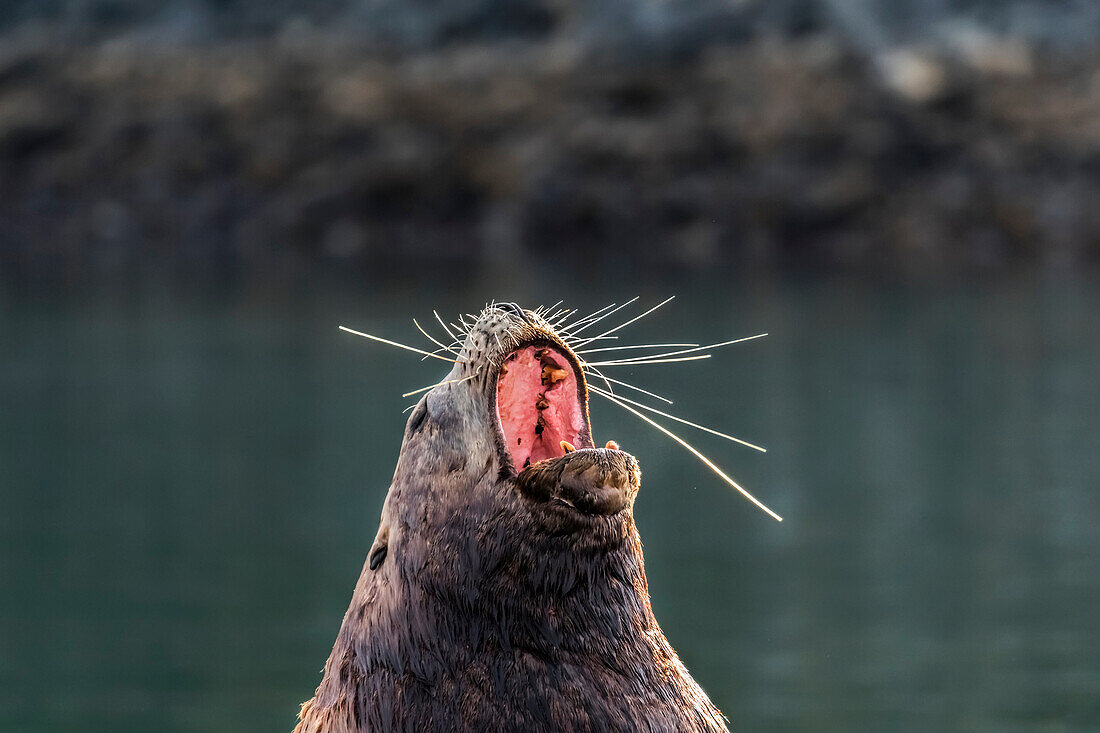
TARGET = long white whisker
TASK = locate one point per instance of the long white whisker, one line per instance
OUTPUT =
(601, 376)
(632, 320)
(433, 340)
(631, 386)
(594, 318)
(556, 319)
(689, 351)
(446, 381)
(593, 313)
(636, 346)
(400, 346)
(706, 461)
(745, 443)
(584, 319)
(441, 323)
(605, 315)
(569, 339)
(628, 362)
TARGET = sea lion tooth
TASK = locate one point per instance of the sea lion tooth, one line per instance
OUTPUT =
(612, 445)
(541, 353)
(542, 404)
(503, 369)
(553, 374)
(567, 446)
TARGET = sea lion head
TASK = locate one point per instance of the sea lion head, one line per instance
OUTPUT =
(507, 436)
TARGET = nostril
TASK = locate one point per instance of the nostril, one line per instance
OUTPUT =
(513, 309)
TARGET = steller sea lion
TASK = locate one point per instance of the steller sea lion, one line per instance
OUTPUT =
(505, 589)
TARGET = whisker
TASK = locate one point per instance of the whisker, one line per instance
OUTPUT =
(599, 315)
(570, 339)
(635, 318)
(605, 315)
(547, 309)
(433, 340)
(441, 323)
(636, 346)
(601, 376)
(446, 381)
(685, 422)
(558, 318)
(706, 461)
(631, 386)
(586, 318)
(688, 351)
(589, 317)
(629, 362)
(400, 346)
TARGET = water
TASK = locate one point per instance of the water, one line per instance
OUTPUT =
(190, 485)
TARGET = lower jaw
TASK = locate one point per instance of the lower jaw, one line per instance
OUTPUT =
(592, 482)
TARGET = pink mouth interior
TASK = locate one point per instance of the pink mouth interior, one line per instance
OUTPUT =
(538, 406)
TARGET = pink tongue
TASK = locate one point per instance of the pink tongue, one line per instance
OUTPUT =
(537, 404)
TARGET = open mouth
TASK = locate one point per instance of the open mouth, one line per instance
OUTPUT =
(539, 404)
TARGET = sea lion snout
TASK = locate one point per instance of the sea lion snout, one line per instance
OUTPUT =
(600, 481)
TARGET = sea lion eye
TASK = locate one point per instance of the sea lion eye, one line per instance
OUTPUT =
(416, 420)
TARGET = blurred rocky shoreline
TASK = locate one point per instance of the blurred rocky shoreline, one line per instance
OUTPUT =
(247, 155)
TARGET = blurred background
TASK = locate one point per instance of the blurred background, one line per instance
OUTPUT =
(195, 193)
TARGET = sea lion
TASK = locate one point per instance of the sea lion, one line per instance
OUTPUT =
(505, 588)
